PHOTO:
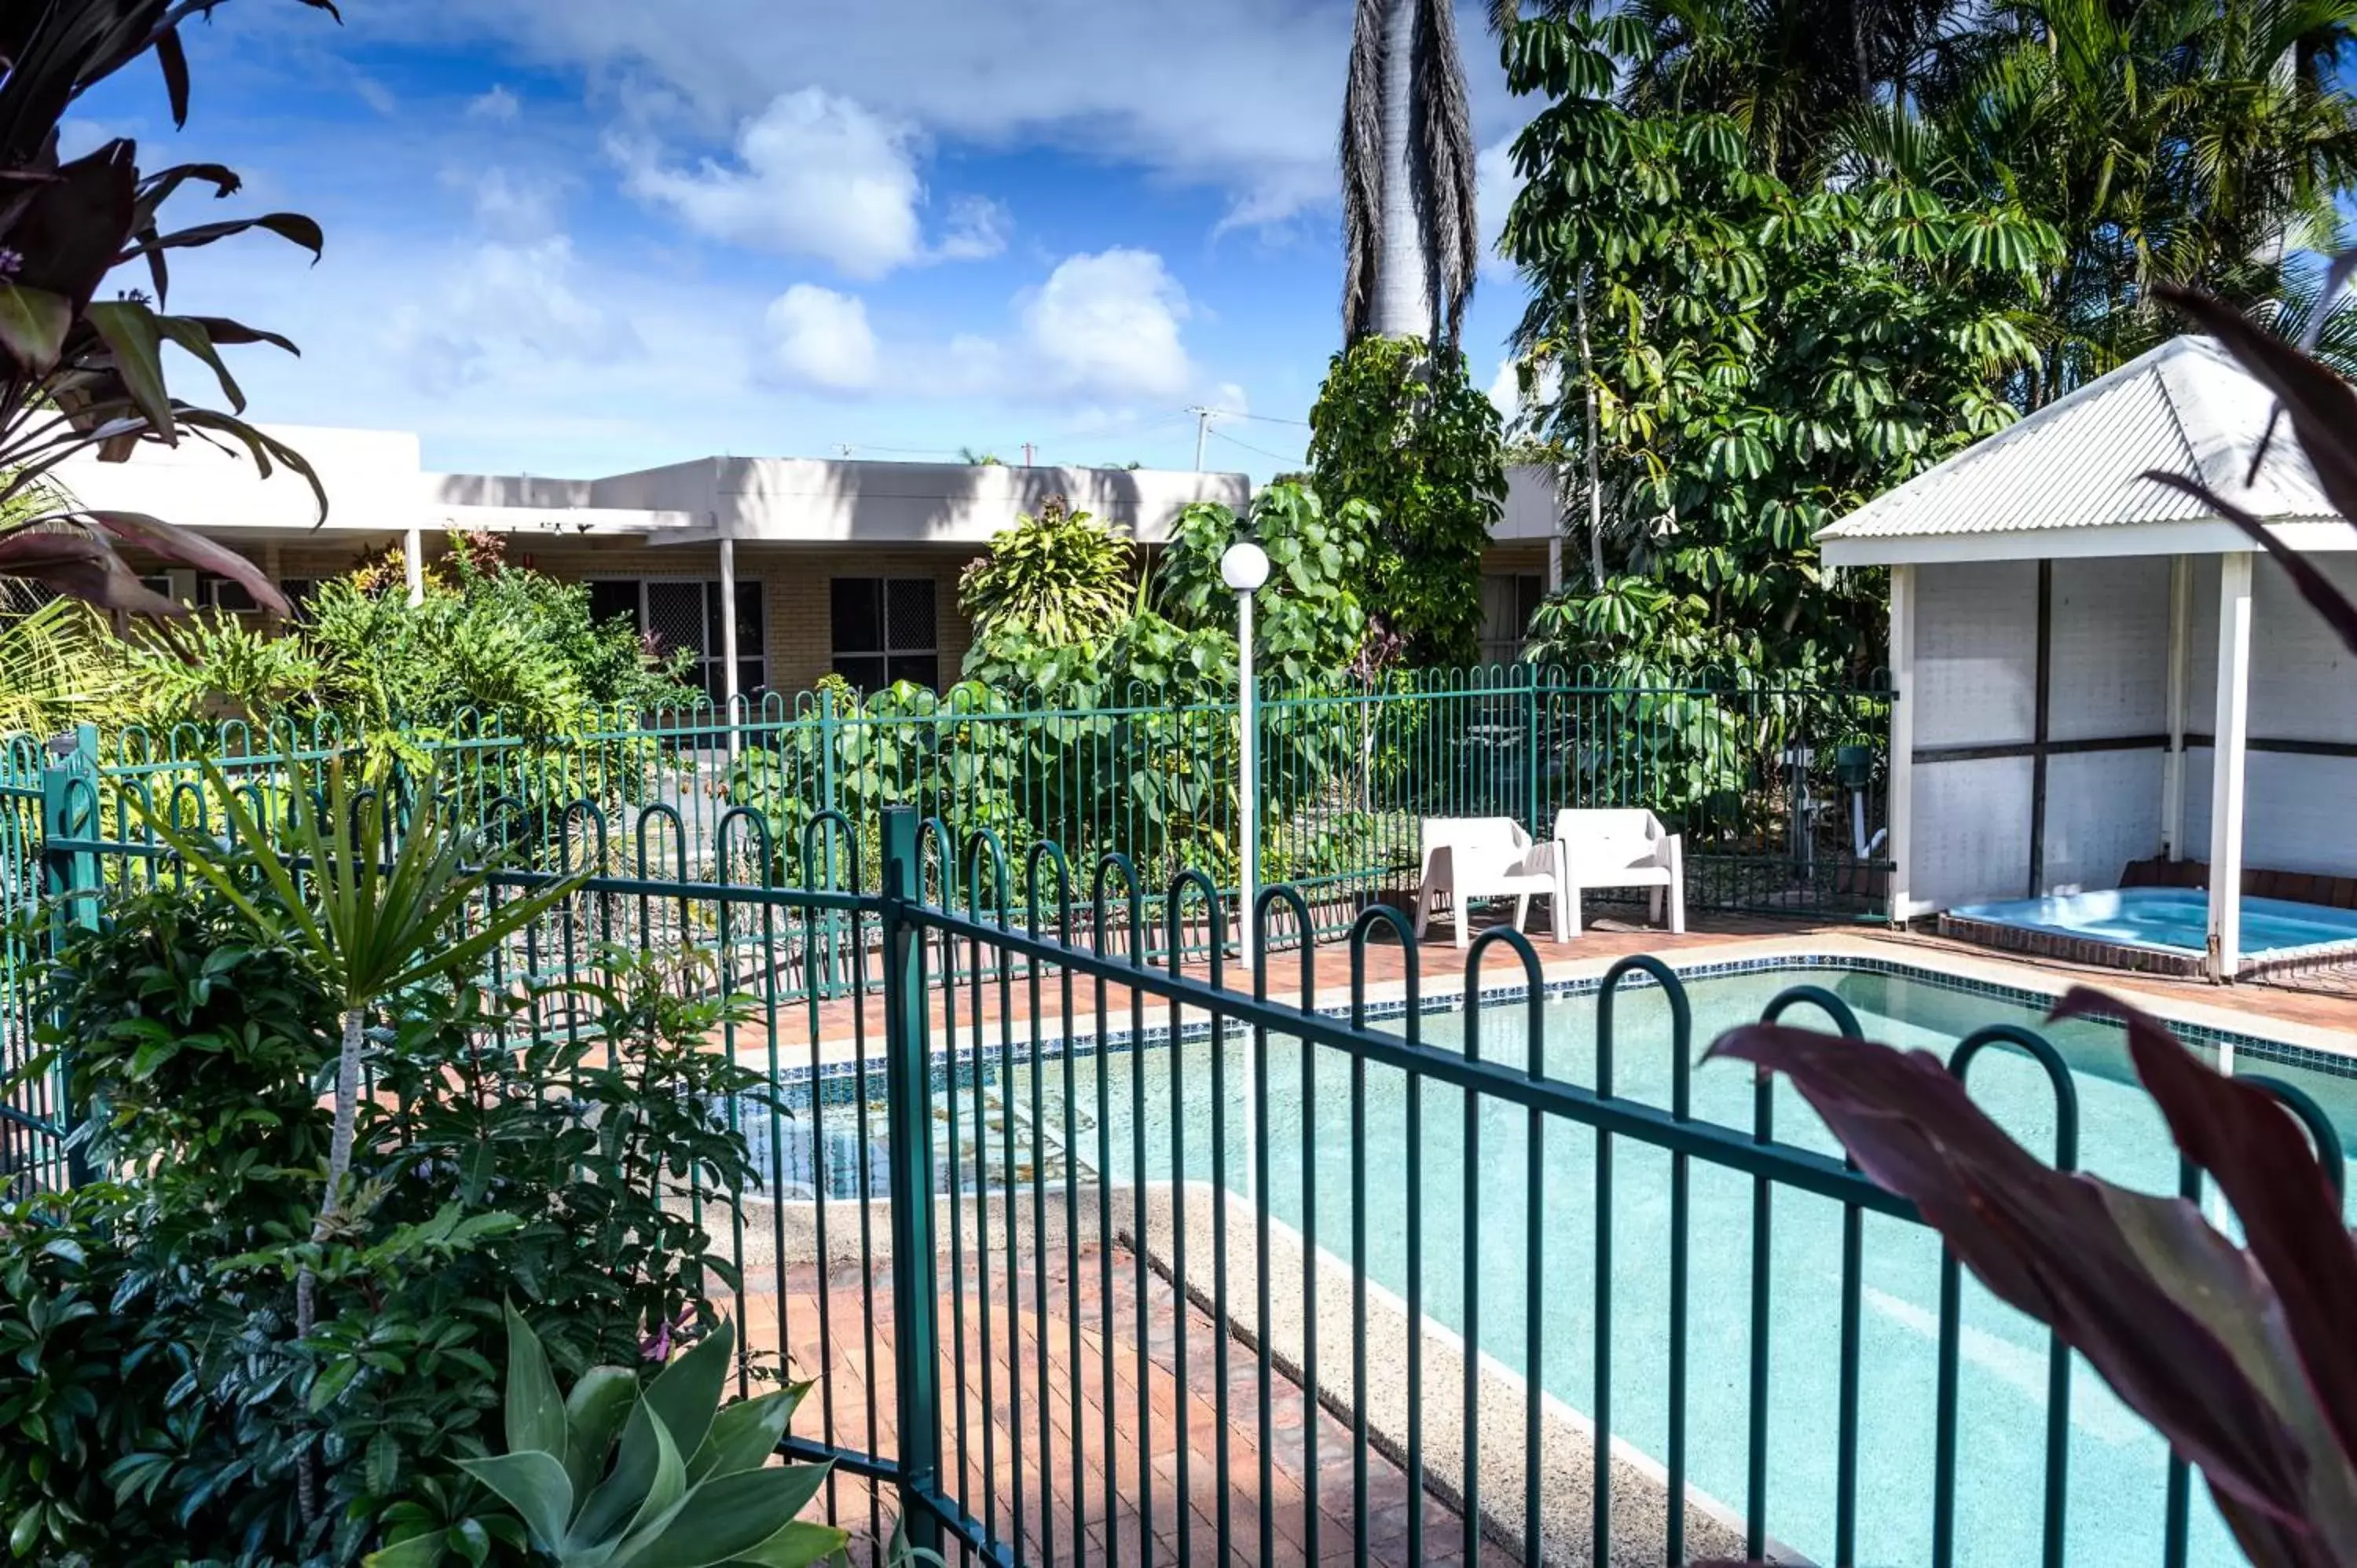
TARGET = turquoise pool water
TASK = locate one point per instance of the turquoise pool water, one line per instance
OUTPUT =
(2116, 1466)
(2174, 918)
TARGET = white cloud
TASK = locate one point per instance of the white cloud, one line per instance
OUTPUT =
(1240, 96)
(814, 175)
(1229, 398)
(1108, 324)
(977, 230)
(498, 105)
(504, 306)
(376, 95)
(822, 338)
(1506, 394)
(510, 206)
(1498, 183)
(1505, 390)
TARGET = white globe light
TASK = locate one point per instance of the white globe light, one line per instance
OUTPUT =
(1245, 566)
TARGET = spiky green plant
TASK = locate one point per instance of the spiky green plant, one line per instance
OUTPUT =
(615, 1476)
(371, 912)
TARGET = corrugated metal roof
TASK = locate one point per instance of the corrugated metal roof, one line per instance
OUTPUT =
(2186, 407)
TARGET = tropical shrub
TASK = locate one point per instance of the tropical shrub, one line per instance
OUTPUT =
(491, 647)
(174, 1414)
(1125, 741)
(2238, 1354)
(1405, 433)
(1729, 363)
(1061, 579)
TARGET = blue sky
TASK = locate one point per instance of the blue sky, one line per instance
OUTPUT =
(580, 236)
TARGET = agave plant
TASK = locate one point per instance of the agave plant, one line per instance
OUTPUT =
(616, 1475)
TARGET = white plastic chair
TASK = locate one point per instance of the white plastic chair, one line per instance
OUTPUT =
(1617, 848)
(1466, 858)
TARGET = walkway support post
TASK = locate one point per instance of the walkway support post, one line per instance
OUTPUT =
(909, 1087)
(2226, 787)
(728, 693)
(2180, 687)
(1899, 809)
(412, 562)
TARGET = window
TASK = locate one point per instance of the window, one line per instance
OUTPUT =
(884, 631)
(230, 596)
(1509, 599)
(684, 613)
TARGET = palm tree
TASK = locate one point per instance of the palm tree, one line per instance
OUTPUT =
(2202, 144)
(1789, 73)
(1411, 236)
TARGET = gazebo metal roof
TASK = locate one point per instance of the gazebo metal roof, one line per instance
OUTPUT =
(2077, 465)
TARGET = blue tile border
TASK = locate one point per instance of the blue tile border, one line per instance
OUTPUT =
(840, 1080)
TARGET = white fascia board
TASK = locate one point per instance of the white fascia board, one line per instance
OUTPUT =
(2207, 537)
(582, 520)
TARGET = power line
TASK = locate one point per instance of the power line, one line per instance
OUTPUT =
(1263, 451)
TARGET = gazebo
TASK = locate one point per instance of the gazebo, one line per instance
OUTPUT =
(2098, 682)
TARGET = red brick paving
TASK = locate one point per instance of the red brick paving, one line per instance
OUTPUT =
(1002, 1434)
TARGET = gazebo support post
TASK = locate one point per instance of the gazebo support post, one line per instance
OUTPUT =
(2226, 789)
(2180, 684)
(1899, 806)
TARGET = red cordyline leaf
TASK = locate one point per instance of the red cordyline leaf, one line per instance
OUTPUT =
(2260, 1158)
(2186, 1327)
(189, 548)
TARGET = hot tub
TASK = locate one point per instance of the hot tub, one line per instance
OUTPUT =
(2164, 930)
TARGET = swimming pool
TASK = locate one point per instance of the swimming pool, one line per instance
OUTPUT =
(2173, 919)
(2116, 1466)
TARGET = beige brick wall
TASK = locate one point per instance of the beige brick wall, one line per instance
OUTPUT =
(794, 581)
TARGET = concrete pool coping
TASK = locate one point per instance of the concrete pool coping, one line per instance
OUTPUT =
(2223, 1026)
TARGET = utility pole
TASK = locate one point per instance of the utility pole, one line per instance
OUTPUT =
(1202, 425)
(1027, 449)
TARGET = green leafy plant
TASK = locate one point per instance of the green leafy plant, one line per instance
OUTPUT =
(614, 1476)
(167, 1414)
(1404, 431)
(372, 914)
(1061, 578)
(84, 373)
(1730, 361)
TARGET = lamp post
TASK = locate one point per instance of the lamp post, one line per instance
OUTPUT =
(1244, 567)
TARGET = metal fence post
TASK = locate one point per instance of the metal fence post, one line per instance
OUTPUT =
(69, 881)
(909, 1081)
(1531, 744)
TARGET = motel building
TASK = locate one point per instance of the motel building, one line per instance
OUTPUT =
(847, 567)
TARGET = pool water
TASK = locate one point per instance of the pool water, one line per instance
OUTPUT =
(2175, 919)
(2115, 1511)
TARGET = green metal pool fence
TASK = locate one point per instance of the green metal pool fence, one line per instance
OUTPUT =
(1778, 791)
(1100, 1261)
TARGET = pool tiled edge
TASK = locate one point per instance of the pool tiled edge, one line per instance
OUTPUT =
(1390, 1001)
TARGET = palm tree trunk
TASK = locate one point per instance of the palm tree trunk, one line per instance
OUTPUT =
(1588, 393)
(1402, 304)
